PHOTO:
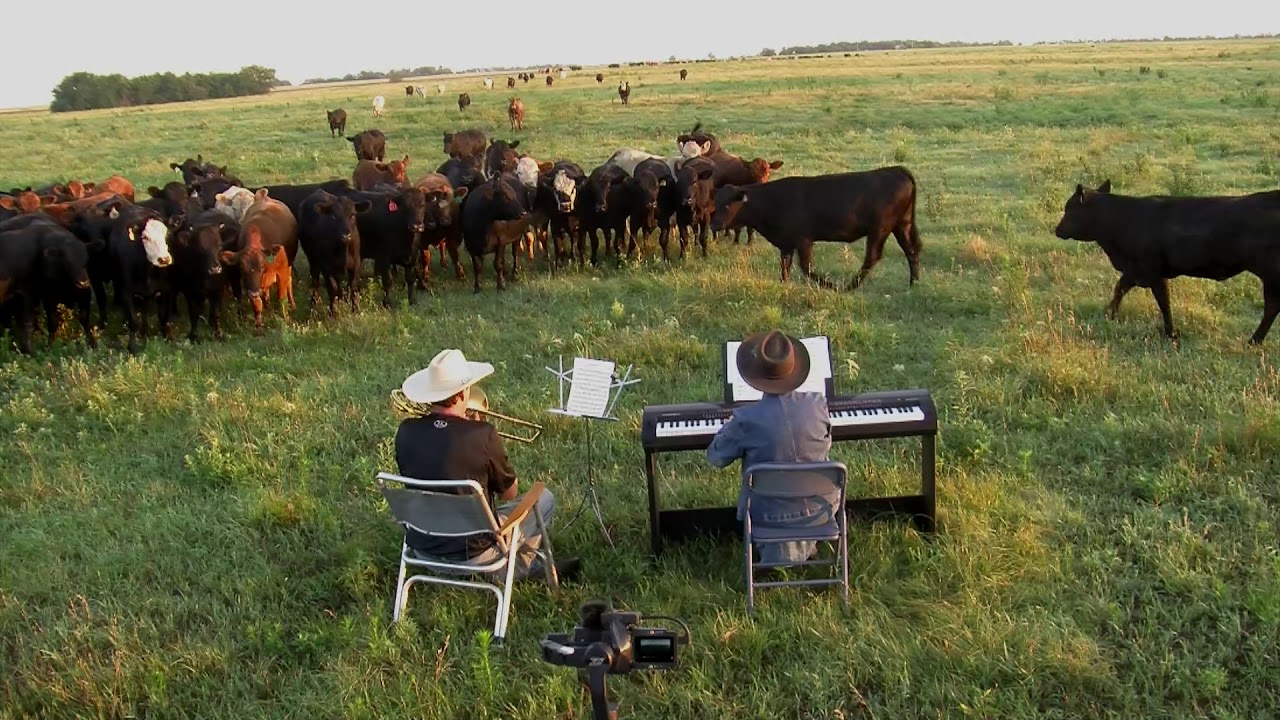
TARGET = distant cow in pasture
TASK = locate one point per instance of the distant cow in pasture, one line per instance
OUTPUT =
(488, 83)
(515, 113)
(337, 122)
(378, 103)
(564, 74)
(683, 73)
(1151, 240)
(469, 143)
(330, 237)
(369, 145)
(440, 88)
(624, 92)
(511, 82)
(420, 91)
(796, 212)
(464, 101)
(549, 81)
(599, 78)
(368, 174)
(408, 90)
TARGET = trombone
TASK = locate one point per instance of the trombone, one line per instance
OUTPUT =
(477, 406)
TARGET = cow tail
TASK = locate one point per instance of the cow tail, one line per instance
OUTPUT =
(915, 229)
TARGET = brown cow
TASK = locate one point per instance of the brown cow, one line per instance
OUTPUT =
(115, 184)
(337, 122)
(511, 82)
(25, 202)
(683, 73)
(549, 81)
(441, 222)
(515, 113)
(733, 170)
(369, 173)
(268, 228)
(599, 77)
(624, 92)
(468, 143)
(464, 101)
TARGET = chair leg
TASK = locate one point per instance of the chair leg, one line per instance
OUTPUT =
(844, 557)
(750, 572)
(548, 559)
(504, 602)
(401, 596)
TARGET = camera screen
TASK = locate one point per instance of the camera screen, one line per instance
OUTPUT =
(655, 650)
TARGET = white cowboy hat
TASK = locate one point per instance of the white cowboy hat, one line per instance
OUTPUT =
(448, 374)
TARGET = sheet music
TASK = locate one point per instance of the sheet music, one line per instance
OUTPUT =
(819, 369)
(589, 392)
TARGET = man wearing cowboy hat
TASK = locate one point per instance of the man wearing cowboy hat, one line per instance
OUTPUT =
(783, 426)
(446, 444)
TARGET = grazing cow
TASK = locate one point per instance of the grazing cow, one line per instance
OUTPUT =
(1151, 240)
(330, 236)
(500, 157)
(654, 200)
(683, 73)
(442, 225)
(794, 213)
(706, 143)
(511, 82)
(492, 218)
(488, 83)
(439, 88)
(369, 145)
(197, 272)
(370, 173)
(139, 257)
(293, 195)
(694, 185)
(515, 113)
(599, 77)
(525, 77)
(468, 143)
(558, 188)
(624, 92)
(462, 172)
(378, 103)
(264, 252)
(601, 206)
(420, 91)
(234, 202)
(549, 81)
(42, 262)
(464, 101)
(337, 122)
(389, 235)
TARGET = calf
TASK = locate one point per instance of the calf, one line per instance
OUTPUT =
(549, 81)
(369, 173)
(515, 113)
(465, 143)
(599, 78)
(369, 145)
(500, 157)
(420, 91)
(293, 195)
(624, 92)
(683, 73)
(601, 206)
(511, 82)
(696, 191)
(379, 102)
(139, 256)
(389, 235)
(442, 226)
(264, 252)
(42, 263)
(794, 213)
(654, 200)
(464, 101)
(1151, 240)
(330, 236)
(337, 122)
(488, 83)
(197, 272)
(492, 218)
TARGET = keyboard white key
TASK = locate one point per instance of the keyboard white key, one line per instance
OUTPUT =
(867, 416)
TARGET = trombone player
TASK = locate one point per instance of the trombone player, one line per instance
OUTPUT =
(448, 443)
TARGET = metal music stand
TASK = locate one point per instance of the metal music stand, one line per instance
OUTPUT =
(615, 391)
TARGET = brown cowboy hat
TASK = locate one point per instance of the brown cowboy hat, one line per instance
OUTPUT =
(773, 362)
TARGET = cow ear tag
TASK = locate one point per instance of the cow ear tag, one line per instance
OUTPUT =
(133, 236)
(113, 214)
(391, 205)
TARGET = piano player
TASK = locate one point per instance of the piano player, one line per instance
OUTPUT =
(783, 426)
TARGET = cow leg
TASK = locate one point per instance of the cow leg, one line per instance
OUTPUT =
(702, 237)
(100, 296)
(195, 306)
(424, 277)
(664, 239)
(215, 312)
(875, 250)
(1160, 289)
(1123, 286)
(410, 281)
(23, 317)
(751, 235)
(51, 319)
(130, 321)
(515, 260)
(595, 246)
(500, 268)
(286, 287)
(353, 287)
(1270, 306)
(383, 270)
(457, 262)
(476, 266)
(910, 246)
(316, 277)
(333, 287)
(784, 261)
(84, 312)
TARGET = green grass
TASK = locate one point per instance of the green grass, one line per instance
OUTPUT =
(194, 532)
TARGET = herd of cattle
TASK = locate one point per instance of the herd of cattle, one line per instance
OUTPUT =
(63, 244)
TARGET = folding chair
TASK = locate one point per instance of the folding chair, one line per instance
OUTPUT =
(796, 481)
(429, 507)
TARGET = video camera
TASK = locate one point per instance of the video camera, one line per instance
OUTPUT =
(611, 642)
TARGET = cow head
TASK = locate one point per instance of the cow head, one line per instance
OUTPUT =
(410, 205)
(760, 168)
(730, 202)
(396, 170)
(690, 149)
(601, 183)
(192, 170)
(64, 261)
(202, 242)
(501, 157)
(1077, 218)
(337, 215)
(566, 190)
(506, 204)
(693, 180)
(145, 228)
(234, 202)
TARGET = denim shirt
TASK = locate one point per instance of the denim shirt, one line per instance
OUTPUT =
(777, 428)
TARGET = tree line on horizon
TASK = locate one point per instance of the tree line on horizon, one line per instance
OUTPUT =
(392, 75)
(89, 91)
(868, 45)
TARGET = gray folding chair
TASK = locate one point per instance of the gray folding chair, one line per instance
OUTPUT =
(814, 482)
(459, 509)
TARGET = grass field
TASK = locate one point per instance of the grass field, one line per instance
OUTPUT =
(194, 532)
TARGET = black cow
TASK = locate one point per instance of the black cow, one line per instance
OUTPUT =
(330, 237)
(170, 203)
(793, 213)
(602, 207)
(197, 169)
(557, 200)
(390, 233)
(368, 145)
(464, 101)
(337, 121)
(207, 190)
(696, 191)
(653, 200)
(138, 252)
(1151, 240)
(492, 217)
(42, 262)
(293, 195)
(462, 172)
(197, 272)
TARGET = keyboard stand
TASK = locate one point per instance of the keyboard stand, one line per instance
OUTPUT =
(680, 525)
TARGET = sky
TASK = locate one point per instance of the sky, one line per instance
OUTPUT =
(323, 38)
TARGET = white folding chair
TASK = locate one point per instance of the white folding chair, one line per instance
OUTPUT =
(458, 509)
(797, 484)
